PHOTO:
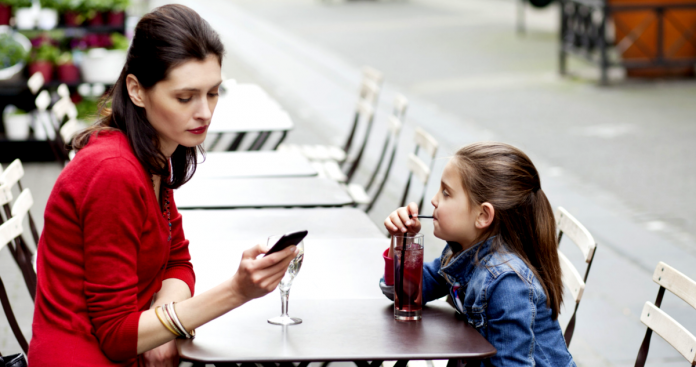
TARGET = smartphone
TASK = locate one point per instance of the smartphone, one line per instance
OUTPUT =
(288, 239)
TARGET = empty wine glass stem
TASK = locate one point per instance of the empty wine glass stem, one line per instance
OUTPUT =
(284, 295)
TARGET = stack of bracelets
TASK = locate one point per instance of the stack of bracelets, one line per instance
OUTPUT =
(168, 317)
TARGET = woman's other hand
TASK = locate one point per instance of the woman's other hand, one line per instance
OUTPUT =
(398, 222)
(165, 355)
(257, 277)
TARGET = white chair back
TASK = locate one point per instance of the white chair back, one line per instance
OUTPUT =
(661, 323)
(35, 82)
(12, 174)
(581, 237)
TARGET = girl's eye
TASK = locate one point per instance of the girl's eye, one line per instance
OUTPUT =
(184, 100)
(213, 94)
(444, 192)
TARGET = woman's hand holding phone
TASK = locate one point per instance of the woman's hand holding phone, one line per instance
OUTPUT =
(258, 276)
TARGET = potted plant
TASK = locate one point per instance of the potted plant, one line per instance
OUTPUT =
(72, 12)
(66, 70)
(13, 51)
(117, 14)
(95, 10)
(25, 15)
(42, 58)
(103, 64)
(17, 123)
(5, 12)
(87, 109)
(48, 16)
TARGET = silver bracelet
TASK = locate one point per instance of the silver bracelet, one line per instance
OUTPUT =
(172, 312)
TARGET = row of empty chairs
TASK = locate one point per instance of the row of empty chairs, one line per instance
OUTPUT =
(16, 211)
(56, 114)
(341, 163)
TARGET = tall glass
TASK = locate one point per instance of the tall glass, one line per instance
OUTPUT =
(286, 283)
(408, 276)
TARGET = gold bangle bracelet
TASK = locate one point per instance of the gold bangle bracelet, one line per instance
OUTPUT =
(189, 334)
(172, 325)
(171, 316)
(157, 312)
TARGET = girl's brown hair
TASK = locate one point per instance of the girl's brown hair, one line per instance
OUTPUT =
(164, 38)
(523, 224)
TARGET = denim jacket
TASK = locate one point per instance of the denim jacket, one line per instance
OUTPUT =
(504, 301)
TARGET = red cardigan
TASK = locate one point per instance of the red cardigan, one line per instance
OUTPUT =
(103, 254)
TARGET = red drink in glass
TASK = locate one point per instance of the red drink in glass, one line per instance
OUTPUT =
(408, 287)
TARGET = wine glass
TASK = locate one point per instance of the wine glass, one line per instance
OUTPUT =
(285, 285)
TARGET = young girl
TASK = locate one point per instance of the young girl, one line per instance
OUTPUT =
(500, 267)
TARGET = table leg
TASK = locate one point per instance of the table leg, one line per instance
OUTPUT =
(368, 364)
(260, 140)
(280, 141)
(461, 363)
(402, 363)
(237, 142)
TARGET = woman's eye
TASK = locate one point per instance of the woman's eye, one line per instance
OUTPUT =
(184, 100)
(444, 192)
(213, 94)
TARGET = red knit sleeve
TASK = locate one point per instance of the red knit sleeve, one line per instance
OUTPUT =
(179, 264)
(113, 213)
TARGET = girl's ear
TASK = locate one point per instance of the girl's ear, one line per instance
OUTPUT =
(135, 90)
(485, 216)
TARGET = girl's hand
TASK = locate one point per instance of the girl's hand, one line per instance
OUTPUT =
(257, 277)
(165, 355)
(398, 222)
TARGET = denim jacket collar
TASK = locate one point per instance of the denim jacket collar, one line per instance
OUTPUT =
(461, 268)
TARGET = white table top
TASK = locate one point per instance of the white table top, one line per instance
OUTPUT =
(247, 108)
(336, 294)
(258, 224)
(228, 193)
(215, 257)
(253, 164)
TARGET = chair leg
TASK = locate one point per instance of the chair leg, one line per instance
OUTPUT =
(12, 320)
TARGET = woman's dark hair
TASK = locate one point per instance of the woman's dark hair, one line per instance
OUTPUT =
(164, 38)
(523, 224)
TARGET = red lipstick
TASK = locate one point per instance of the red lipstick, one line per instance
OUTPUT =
(199, 130)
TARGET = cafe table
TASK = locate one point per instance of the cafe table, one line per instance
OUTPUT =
(258, 224)
(232, 193)
(336, 294)
(245, 109)
(254, 164)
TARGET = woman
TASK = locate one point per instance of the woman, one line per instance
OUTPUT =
(113, 253)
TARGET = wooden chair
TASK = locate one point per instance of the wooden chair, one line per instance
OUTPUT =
(9, 231)
(418, 168)
(395, 123)
(368, 95)
(658, 321)
(581, 237)
(20, 251)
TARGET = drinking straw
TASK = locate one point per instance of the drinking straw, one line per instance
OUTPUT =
(401, 275)
(422, 216)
